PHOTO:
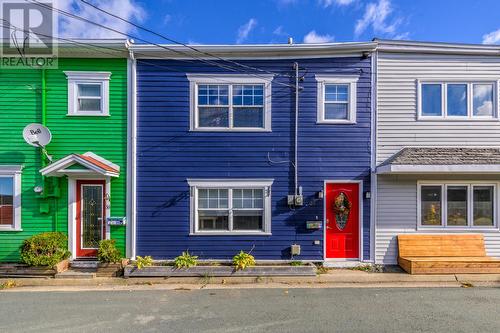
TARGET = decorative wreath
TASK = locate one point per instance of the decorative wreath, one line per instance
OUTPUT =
(341, 208)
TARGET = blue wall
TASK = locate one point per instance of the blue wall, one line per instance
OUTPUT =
(168, 154)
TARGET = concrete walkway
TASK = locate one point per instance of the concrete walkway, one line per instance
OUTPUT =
(336, 278)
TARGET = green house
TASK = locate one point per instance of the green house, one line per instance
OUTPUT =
(77, 184)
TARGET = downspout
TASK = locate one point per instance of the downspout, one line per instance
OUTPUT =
(296, 162)
(373, 153)
(42, 149)
(131, 156)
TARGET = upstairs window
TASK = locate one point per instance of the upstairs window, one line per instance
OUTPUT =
(10, 198)
(457, 100)
(230, 103)
(230, 207)
(88, 93)
(336, 99)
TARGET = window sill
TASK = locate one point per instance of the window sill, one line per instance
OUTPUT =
(335, 122)
(9, 229)
(458, 229)
(457, 119)
(87, 115)
(229, 233)
(237, 130)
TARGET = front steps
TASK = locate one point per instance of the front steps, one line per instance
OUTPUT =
(80, 269)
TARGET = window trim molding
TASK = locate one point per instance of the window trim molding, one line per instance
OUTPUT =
(74, 79)
(15, 172)
(322, 80)
(195, 184)
(228, 79)
(470, 99)
(470, 204)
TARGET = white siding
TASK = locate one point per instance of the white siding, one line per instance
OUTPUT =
(397, 124)
(397, 214)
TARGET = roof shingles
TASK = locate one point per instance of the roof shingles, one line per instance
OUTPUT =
(445, 156)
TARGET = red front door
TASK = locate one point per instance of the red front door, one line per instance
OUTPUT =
(342, 220)
(90, 217)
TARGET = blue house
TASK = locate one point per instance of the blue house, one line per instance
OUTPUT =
(260, 148)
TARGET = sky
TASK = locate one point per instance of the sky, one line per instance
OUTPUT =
(273, 21)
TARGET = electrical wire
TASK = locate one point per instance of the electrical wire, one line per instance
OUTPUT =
(74, 16)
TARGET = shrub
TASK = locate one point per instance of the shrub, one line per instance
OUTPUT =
(142, 262)
(185, 260)
(107, 252)
(243, 260)
(45, 249)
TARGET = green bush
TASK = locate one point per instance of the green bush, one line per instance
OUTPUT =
(142, 262)
(46, 249)
(185, 260)
(107, 252)
(243, 260)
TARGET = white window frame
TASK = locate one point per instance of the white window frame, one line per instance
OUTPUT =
(323, 80)
(470, 100)
(229, 79)
(470, 205)
(264, 184)
(77, 78)
(13, 171)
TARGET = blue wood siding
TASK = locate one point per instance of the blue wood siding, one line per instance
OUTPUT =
(168, 153)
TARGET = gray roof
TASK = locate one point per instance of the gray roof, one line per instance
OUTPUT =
(445, 156)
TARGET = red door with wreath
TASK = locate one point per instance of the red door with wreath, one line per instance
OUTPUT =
(342, 220)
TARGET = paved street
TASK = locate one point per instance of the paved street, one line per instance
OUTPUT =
(254, 310)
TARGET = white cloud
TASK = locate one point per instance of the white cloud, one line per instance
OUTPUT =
(166, 19)
(312, 38)
(127, 9)
(279, 31)
(245, 30)
(492, 38)
(378, 16)
(328, 3)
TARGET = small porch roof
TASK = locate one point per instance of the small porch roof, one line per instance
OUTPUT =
(81, 164)
(413, 160)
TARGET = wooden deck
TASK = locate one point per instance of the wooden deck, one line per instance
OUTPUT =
(445, 254)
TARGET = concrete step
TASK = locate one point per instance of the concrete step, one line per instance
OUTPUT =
(72, 274)
(84, 264)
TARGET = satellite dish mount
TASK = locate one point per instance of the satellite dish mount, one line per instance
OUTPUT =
(37, 135)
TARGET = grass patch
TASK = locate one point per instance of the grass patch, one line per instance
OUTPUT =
(320, 269)
(368, 268)
(296, 263)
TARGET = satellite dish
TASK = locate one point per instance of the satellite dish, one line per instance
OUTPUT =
(37, 135)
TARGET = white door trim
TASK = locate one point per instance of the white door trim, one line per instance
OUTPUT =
(72, 210)
(360, 204)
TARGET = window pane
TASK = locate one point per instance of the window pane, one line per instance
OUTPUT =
(213, 220)
(336, 111)
(483, 206)
(248, 117)
(89, 90)
(247, 198)
(457, 99)
(248, 95)
(6, 200)
(430, 205)
(213, 117)
(483, 100)
(336, 92)
(247, 220)
(431, 100)
(89, 104)
(213, 94)
(457, 206)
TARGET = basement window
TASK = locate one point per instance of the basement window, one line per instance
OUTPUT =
(88, 93)
(230, 207)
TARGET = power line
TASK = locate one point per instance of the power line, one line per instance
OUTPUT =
(180, 43)
(65, 13)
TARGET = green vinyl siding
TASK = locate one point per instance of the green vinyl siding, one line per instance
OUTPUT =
(20, 104)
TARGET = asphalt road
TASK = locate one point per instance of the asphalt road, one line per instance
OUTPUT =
(254, 310)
